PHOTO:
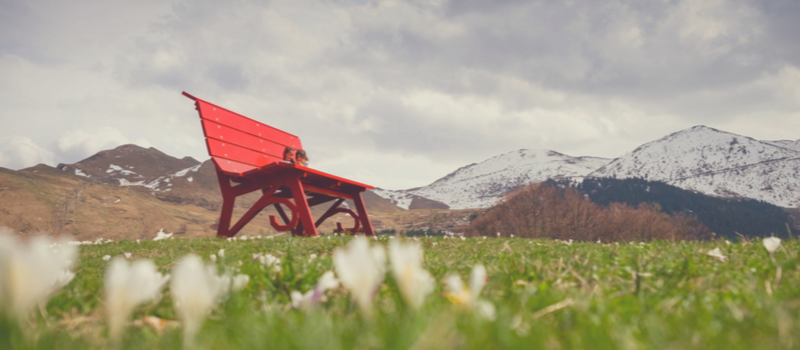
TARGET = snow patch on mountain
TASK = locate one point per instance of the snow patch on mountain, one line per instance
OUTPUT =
(183, 172)
(80, 172)
(793, 145)
(398, 198)
(691, 152)
(775, 182)
(116, 168)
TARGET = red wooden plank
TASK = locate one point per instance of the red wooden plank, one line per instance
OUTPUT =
(231, 167)
(237, 121)
(326, 191)
(238, 154)
(225, 134)
(316, 175)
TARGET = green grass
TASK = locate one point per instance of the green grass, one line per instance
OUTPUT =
(660, 295)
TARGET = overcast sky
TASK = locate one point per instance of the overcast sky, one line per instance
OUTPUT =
(395, 94)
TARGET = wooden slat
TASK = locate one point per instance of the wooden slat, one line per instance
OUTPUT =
(231, 167)
(247, 125)
(223, 133)
(235, 153)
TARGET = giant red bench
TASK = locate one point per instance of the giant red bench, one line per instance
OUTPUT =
(248, 156)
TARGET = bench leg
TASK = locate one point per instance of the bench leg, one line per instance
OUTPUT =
(253, 211)
(329, 212)
(362, 214)
(228, 199)
(282, 213)
(225, 217)
(303, 209)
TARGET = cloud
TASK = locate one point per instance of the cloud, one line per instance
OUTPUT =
(78, 144)
(400, 82)
(17, 152)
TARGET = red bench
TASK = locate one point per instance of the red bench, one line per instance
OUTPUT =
(248, 156)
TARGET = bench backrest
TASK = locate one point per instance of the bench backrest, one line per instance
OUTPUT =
(238, 139)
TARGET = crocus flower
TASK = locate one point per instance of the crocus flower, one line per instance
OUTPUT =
(128, 255)
(468, 297)
(361, 269)
(406, 262)
(221, 253)
(772, 244)
(213, 258)
(128, 285)
(239, 282)
(106, 257)
(195, 289)
(269, 260)
(716, 253)
(30, 272)
(310, 298)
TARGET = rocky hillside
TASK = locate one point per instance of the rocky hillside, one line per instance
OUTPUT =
(128, 192)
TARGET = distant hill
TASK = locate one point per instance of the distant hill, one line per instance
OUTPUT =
(482, 184)
(129, 192)
(722, 216)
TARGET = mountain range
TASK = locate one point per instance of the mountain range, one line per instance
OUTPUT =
(701, 159)
(142, 190)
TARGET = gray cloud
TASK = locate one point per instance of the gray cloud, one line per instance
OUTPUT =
(452, 82)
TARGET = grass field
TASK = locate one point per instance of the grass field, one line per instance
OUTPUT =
(547, 294)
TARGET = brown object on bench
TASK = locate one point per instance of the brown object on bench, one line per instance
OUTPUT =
(248, 156)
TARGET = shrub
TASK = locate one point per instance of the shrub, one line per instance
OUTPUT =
(541, 211)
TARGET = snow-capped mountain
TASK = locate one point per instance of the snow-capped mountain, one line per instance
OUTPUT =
(717, 163)
(483, 184)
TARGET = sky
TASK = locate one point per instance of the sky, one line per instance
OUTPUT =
(395, 94)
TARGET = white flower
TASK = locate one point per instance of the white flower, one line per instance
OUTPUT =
(716, 253)
(312, 257)
(310, 298)
(268, 260)
(361, 269)
(221, 253)
(244, 238)
(468, 297)
(162, 235)
(127, 285)
(772, 244)
(30, 272)
(138, 241)
(406, 262)
(195, 289)
(239, 282)
(106, 257)
(128, 255)
(213, 258)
